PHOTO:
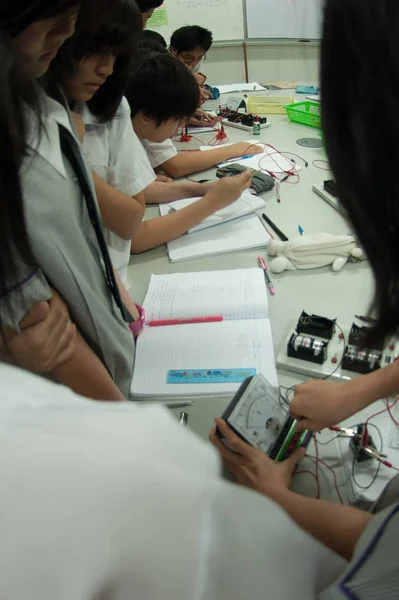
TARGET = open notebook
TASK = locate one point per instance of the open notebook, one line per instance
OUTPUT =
(244, 233)
(242, 341)
(245, 205)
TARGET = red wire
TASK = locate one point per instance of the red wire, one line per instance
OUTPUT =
(316, 447)
(306, 472)
(320, 161)
(389, 409)
(332, 471)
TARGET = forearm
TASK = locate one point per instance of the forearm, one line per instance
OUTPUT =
(159, 192)
(363, 391)
(161, 230)
(86, 375)
(122, 214)
(186, 163)
(336, 526)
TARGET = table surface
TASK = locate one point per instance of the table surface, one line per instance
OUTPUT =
(319, 291)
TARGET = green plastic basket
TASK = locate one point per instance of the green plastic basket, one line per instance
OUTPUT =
(305, 113)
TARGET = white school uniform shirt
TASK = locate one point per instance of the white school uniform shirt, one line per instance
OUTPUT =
(159, 152)
(119, 502)
(114, 151)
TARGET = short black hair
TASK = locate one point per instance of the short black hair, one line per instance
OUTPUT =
(146, 5)
(17, 15)
(116, 30)
(154, 36)
(191, 37)
(148, 49)
(162, 88)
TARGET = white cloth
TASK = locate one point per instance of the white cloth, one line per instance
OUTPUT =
(159, 152)
(118, 501)
(114, 151)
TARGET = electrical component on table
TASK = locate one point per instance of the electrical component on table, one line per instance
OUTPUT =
(307, 348)
(357, 358)
(317, 326)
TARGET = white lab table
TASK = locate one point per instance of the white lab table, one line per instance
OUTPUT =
(320, 291)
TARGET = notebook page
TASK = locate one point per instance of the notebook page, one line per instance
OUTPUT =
(233, 294)
(226, 345)
(244, 233)
(246, 204)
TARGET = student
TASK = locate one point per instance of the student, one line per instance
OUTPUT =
(66, 248)
(164, 155)
(110, 140)
(359, 56)
(147, 7)
(190, 45)
(153, 36)
(92, 68)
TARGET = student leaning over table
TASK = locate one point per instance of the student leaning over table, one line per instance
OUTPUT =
(66, 250)
(359, 78)
(163, 154)
(92, 69)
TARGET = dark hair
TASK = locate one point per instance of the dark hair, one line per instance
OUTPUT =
(162, 88)
(147, 35)
(148, 49)
(360, 115)
(191, 37)
(115, 30)
(17, 15)
(18, 91)
(146, 5)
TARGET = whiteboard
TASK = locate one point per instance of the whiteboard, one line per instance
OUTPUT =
(289, 19)
(225, 18)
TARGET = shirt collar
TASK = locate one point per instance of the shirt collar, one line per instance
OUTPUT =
(86, 115)
(47, 144)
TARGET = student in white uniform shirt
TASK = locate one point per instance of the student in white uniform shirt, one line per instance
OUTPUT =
(163, 155)
(129, 171)
(64, 227)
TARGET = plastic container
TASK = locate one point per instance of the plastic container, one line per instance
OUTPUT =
(305, 113)
(268, 105)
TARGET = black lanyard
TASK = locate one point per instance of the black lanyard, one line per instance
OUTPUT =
(72, 153)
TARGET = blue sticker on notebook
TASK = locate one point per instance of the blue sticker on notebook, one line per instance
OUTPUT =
(209, 375)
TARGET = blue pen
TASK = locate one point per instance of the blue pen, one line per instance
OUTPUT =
(301, 230)
(233, 160)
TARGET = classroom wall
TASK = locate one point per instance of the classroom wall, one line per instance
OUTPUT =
(265, 63)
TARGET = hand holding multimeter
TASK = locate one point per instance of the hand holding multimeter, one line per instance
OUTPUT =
(257, 417)
(251, 466)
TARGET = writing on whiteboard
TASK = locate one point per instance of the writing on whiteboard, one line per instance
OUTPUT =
(202, 3)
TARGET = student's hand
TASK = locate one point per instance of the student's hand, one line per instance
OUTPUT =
(79, 126)
(251, 467)
(203, 119)
(243, 149)
(47, 338)
(164, 179)
(229, 189)
(320, 404)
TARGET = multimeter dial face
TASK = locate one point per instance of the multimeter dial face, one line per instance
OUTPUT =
(258, 416)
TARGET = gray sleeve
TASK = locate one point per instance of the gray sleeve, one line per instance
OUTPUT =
(373, 573)
(29, 287)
